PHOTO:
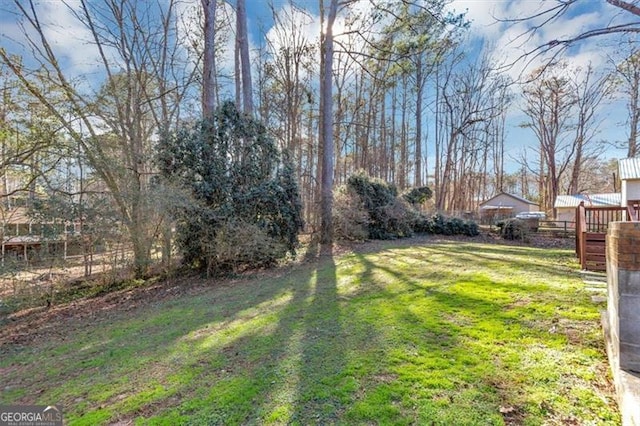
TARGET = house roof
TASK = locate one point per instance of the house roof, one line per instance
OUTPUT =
(524, 200)
(629, 168)
(590, 200)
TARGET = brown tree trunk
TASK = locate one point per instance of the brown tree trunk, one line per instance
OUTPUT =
(418, 151)
(326, 124)
(243, 45)
(209, 60)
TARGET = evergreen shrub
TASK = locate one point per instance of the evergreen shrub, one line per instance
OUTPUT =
(350, 218)
(443, 225)
(388, 216)
(371, 208)
(244, 208)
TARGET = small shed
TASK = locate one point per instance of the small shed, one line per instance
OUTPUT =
(506, 205)
(566, 205)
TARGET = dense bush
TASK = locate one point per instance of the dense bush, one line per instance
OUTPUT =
(237, 243)
(418, 196)
(350, 218)
(388, 216)
(440, 224)
(243, 203)
(398, 219)
(513, 229)
(371, 208)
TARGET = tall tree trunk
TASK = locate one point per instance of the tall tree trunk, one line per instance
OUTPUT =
(326, 123)
(243, 41)
(384, 174)
(209, 65)
(237, 73)
(634, 112)
(437, 166)
(404, 156)
(419, 90)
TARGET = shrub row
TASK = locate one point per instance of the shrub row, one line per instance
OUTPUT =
(369, 208)
(440, 224)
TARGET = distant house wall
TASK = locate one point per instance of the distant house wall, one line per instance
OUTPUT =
(505, 200)
(566, 214)
(630, 191)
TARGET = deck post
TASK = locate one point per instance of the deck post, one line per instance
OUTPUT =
(622, 319)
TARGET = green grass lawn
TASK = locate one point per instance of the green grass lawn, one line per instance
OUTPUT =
(400, 333)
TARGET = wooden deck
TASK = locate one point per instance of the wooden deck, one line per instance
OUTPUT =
(591, 231)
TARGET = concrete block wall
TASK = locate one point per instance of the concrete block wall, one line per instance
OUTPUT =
(623, 305)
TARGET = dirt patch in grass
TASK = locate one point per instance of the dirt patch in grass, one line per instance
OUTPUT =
(53, 322)
(57, 321)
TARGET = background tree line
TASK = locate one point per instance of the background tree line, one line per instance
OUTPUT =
(386, 87)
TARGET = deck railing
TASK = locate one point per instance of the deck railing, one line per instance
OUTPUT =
(591, 228)
(633, 210)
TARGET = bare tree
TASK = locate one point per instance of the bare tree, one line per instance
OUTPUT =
(471, 104)
(29, 134)
(145, 80)
(288, 102)
(628, 25)
(627, 77)
(549, 104)
(589, 93)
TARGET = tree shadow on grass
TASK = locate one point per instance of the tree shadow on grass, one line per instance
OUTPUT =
(323, 358)
(465, 332)
(273, 350)
(495, 298)
(166, 357)
(289, 370)
(537, 259)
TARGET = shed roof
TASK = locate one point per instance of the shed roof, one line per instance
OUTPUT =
(590, 200)
(524, 200)
(629, 168)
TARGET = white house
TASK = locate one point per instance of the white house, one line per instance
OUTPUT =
(629, 169)
(566, 205)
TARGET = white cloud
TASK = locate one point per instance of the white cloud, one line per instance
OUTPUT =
(495, 22)
(293, 23)
(480, 14)
(69, 38)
